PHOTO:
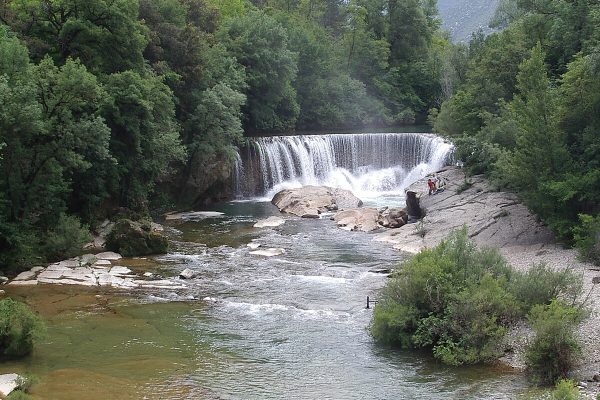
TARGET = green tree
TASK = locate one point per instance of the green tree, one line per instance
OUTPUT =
(260, 44)
(145, 135)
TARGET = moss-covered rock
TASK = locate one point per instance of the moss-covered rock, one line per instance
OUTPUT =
(136, 238)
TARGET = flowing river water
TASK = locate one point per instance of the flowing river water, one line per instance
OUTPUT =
(292, 326)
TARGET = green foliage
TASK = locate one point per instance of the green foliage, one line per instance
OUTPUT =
(459, 301)
(66, 238)
(565, 389)
(18, 395)
(541, 284)
(587, 238)
(19, 329)
(453, 298)
(555, 347)
(528, 112)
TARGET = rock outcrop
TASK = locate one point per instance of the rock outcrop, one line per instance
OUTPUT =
(311, 201)
(8, 383)
(494, 219)
(92, 270)
(136, 238)
(358, 219)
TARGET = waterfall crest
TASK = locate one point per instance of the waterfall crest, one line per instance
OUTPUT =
(369, 164)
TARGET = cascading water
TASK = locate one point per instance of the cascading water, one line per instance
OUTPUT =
(371, 165)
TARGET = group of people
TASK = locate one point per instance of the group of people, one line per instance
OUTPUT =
(436, 184)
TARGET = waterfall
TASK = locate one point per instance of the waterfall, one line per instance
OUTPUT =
(369, 164)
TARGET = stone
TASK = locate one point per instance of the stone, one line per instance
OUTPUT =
(413, 206)
(359, 219)
(23, 283)
(101, 263)
(582, 385)
(8, 383)
(3, 279)
(2, 292)
(381, 270)
(270, 222)
(136, 238)
(108, 255)
(25, 276)
(119, 270)
(188, 274)
(596, 378)
(148, 274)
(270, 252)
(193, 215)
(596, 280)
(311, 201)
(159, 284)
(37, 269)
(253, 245)
(87, 259)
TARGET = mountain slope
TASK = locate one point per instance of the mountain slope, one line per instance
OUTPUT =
(463, 17)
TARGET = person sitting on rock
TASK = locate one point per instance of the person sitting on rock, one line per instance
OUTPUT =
(431, 185)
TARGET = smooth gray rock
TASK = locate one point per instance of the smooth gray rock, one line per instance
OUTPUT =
(311, 201)
(271, 252)
(8, 383)
(359, 219)
(188, 274)
(270, 222)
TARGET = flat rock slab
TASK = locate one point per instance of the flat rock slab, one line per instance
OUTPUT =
(119, 270)
(102, 262)
(24, 283)
(108, 255)
(25, 276)
(270, 222)
(8, 383)
(311, 201)
(193, 215)
(271, 252)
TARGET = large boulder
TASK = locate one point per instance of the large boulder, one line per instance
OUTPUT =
(393, 218)
(136, 238)
(310, 201)
(358, 219)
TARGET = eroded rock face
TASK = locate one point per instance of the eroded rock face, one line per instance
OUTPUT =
(358, 219)
(311, 201)
(133, 238)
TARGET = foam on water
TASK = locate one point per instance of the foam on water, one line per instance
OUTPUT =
(371, 165)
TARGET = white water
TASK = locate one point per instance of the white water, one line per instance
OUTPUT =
(371, 165)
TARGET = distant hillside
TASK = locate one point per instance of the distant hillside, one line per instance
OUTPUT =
(463, 17)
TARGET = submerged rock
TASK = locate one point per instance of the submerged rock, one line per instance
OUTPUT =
(311, 201)
(135, 238)
(271, 252)
(270, 222)
(253, 245)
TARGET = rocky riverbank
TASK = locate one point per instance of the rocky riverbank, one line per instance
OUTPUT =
(498, 219)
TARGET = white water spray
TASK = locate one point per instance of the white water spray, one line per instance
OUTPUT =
(371, 165)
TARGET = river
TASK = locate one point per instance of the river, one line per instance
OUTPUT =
(292, 326)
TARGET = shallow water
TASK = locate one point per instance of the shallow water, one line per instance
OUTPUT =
(248, 327)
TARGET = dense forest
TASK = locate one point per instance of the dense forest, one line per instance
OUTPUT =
(525, 110)
(127, 106)
(123, 107)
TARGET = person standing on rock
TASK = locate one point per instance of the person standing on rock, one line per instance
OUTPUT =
(431, 185)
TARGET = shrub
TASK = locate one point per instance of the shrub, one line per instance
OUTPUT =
(66, 238)
(452, 298)
(565, 389)
(19, 328)
(541, 284)
(555, 347)
(587, 238)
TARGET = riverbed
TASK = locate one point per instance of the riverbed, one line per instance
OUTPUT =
(292, 326)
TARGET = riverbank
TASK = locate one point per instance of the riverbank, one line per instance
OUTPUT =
(500, 220)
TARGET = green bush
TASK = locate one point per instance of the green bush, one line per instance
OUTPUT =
(587, 238)
(452, 298)
(555, 347)
(66, 238)
(19, 329)
(565, 389)
(18, 395)
(460, 301)
(541, 284)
